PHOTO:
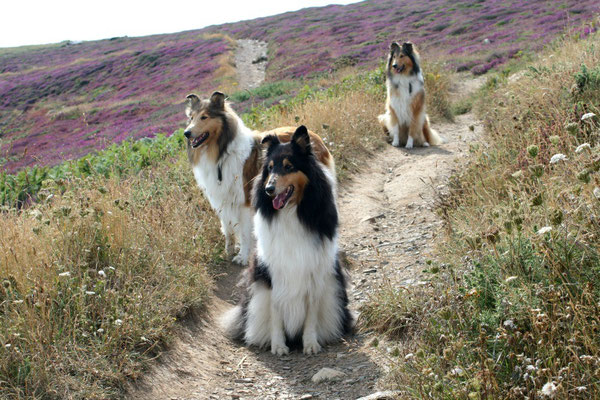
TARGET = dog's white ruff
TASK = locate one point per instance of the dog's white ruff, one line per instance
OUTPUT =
(227, 197)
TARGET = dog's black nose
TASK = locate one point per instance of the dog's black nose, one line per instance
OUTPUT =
(187, 134)
(270, 189)
(395, 66)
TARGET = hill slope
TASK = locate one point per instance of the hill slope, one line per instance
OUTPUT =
(62, 101)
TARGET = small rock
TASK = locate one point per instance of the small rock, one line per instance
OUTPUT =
(327, 374)
(386, 395)
(370, 271)
(243, 380)
(306, 396)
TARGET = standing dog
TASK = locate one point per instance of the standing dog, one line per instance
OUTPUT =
(226, 156)
(296, 288)
(405, 119)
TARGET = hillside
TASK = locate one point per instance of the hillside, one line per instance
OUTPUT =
(62, 101)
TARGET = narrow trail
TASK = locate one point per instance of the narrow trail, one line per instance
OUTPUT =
(251, 63)
(387, 230)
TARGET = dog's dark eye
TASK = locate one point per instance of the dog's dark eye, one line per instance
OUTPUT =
(203, 117)
(270, 167)
(289, 167)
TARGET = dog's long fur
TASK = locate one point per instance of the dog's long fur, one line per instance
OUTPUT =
(226, 156)
(405, 119)
(296, 288)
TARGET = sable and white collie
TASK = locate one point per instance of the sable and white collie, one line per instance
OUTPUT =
(405, 119)
(226, 156)
(295, 286)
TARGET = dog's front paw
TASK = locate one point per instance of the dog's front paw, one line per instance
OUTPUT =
(396, 142)
(280, 349)
(426, 144)
(312, 348)
(240, 259)
(409, 143)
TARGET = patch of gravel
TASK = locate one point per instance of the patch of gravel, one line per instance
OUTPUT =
(251, 63)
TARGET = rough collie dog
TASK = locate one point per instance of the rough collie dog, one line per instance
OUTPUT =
(226, 156)
(295, 288)
(405, 119)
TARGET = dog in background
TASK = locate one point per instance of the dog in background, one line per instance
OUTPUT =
(226, 156)
(405, 119)
(295, 286)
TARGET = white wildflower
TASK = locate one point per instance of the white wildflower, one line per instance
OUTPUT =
(597, 192)
(544, 230)
(143, 338)
(102, 273)
(582, 147)
(8, 345)
(510, 324)
(118, 322)
(457, 371)
(100, 330)
(558, 157)
(530, 368)
(17, 301)
(549, 389)
(510, 279)
(581, 388)
(587, 116)
(90, 293)
(65, 274)
(111, 268)
(409, 356)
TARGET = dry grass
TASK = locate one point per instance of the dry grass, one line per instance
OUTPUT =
(94, 280)
(515, 303)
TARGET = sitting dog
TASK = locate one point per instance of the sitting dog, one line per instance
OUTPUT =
(405, 119)
(295, 288)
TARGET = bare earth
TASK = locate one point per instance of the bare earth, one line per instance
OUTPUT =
(387, 230)
(251, 63)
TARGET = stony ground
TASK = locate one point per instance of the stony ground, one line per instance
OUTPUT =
(388, 229)
(251, 63)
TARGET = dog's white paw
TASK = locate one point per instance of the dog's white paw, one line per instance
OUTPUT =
(312, 348)
(240, 259)
(409, 143)
(280, 349)
(426, 144)
(396, 142)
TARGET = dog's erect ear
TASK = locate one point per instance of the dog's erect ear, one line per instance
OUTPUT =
(407, 47)
(394, 47)
(271, 141)
(217, 101)
(301, 140)
(191, 104)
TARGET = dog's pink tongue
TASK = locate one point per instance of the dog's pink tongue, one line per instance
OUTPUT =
(278, 201)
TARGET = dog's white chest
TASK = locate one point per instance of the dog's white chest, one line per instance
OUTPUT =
(401, 91)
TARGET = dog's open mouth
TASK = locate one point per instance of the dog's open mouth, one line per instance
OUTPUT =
(199, 140)
(399, 69)
(282, 198)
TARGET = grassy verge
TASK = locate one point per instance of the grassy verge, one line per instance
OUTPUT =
(93, 280)
(513, 309)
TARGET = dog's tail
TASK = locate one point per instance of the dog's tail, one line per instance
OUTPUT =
(384, 120)
(431, 135)
(232, 322)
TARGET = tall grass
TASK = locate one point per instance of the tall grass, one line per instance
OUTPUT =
(93, 281)
(513, 309)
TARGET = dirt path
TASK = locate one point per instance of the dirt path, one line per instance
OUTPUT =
(251, 63)
(387, 230)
